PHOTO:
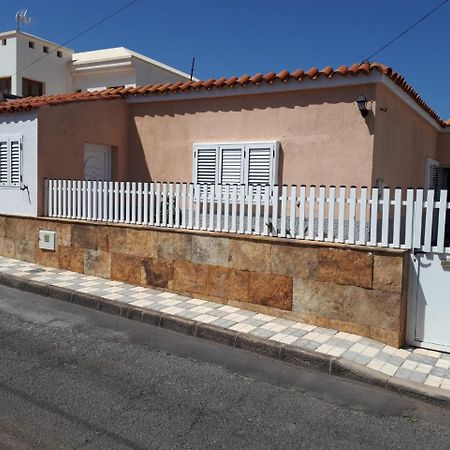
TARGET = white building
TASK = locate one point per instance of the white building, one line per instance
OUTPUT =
(31, 66)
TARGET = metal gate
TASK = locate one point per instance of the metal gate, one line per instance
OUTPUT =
(429, 301)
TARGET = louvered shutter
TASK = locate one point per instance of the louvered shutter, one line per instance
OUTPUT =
(4, 162)
(261, 164)
(432, 177)
(231, 164)
(205, 166)
(15, 163)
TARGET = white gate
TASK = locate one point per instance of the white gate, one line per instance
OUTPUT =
(429, 301)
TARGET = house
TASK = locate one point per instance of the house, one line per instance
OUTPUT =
(32, 66)
(361, 125)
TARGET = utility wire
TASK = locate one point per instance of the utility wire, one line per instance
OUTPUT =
(100, 22)
(428, 14)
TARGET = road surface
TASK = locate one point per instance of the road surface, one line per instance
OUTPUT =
(73, 378)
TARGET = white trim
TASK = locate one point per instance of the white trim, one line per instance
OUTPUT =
(251, 89)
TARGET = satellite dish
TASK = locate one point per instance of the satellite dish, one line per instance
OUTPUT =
(22, 18)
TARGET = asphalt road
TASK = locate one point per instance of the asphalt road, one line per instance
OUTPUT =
(75, 378)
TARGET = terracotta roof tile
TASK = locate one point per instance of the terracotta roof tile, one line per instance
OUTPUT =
(26, 104)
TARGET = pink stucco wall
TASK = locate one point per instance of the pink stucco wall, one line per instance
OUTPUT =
(63, 130)
(403, 142)
(324, 139)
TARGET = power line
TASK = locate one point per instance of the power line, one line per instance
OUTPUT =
(100, 22)
(428, 14)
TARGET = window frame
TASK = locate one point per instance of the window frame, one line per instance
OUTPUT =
(246, 146)
(11, 138)
(29, 81)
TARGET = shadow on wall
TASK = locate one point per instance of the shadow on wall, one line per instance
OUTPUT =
(139, 156)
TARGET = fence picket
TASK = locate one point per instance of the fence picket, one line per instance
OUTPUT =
(183, 205)
(441, 221)
(321, 215)
(362, 216)
(164, 200)
(266, 212)
(152, 205)
(234, 199)
(341, 215)
(409, 219)
(170, 210)
(282, 232)
(139, 204)
(292, 211)
(197, 206)
(351, 216)
(241, 208)
(302, 201)
(145, 199)
(191, 206)
(212, 201)
(257, 230)
(158, 204)
(397, 218)
(226, 208)
(249, 210)
(219, 208)
(418, 210)
(429, 210)
(374, 217)
(177, 205)
(331, 208)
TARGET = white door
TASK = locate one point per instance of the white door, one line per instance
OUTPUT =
(429, 303)
(97, 162)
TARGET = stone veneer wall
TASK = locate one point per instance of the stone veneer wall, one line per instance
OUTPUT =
(357, 290)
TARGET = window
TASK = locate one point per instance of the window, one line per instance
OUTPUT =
(32, 88)
(5, 85)
(237, 163)
(10, 161)
(31, 44)
(59, 54)
(45, 49)
(4, 41)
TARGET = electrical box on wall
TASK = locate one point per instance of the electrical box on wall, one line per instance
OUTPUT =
(47, 240)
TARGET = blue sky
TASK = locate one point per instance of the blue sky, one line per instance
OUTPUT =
(249, 36)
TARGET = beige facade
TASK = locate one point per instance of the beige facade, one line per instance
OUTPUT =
(323, 137)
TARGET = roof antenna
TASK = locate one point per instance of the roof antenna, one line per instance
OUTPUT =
(22, 18)
(192, 68)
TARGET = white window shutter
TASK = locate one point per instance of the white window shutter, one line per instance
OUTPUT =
(205, 164)
(15, 162)
(262, 164)
(231, 164)
(4, 162)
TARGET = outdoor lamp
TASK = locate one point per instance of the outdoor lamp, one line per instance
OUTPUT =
(361, 101)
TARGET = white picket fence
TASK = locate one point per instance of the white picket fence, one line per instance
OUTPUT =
(390, 218)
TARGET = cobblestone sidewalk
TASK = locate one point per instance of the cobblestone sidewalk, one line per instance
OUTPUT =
(425, 367)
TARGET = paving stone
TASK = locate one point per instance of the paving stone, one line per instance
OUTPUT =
(403, 373)
(396, 360)
(362, 359)
(418, 377)
(423, 359)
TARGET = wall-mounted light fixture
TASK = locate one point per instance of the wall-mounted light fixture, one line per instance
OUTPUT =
(361, 101)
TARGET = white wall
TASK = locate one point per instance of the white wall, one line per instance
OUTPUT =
(13, 200)
(150, 74)
(51, 70)
(8, 60)
(103, 79)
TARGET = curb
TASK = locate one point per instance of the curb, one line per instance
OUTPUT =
(339, 367)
